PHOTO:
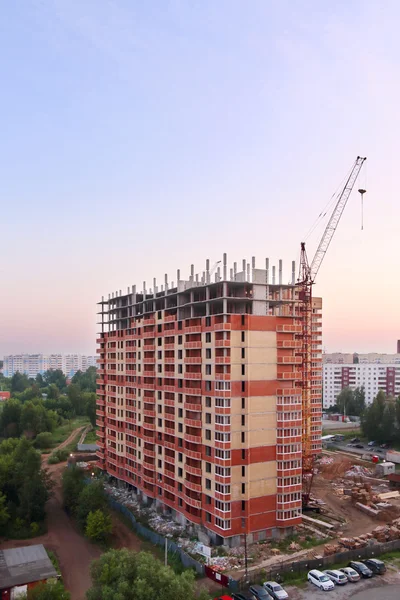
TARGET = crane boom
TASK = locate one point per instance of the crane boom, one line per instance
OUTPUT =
(335, 218)
(308, 273)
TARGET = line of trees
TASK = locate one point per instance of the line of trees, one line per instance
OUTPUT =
(24, 489)
(87, 502)
(126, 575)
(350, 402)
(380, 421)
(39, 405)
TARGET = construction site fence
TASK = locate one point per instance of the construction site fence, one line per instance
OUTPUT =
(157, 539)
(278, 571)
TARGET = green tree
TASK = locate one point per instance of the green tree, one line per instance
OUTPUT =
(359, 401)
(23, 482)
(72, 486)
(19, 382)
(44, 440)
(345, 401)
(10, 418)
(374, 420)
(39, 380)
(90, 406)
(91, 498)
(4, 514)
(53, 393)
(49, 591)
(86, 380)
(98, 526)
(125, 575)
(57, 377)
(74, 394)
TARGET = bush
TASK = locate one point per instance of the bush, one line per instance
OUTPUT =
(58, 456)
(44, 440)
(72, 485)
(98, 526)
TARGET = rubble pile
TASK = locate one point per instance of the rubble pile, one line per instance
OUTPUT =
(358, 471)
(161, 524)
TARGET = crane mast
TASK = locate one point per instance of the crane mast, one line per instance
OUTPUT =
(307, 275)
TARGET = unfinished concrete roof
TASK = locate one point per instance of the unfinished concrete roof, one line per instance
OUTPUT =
(24, 565)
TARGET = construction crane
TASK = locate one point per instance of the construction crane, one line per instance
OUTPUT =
(307, 275)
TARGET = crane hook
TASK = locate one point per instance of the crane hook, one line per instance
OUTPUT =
(362, 192)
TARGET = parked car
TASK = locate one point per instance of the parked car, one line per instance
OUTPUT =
(350, 445)
(358, 446)
(385, 446)
(355, 440)
(361, 569)
(336, 576)
(379, 450)
(321, 580)
(377, 566)
(259, 592)
(370, 444)
(244, 596)
(223, 598)
(351, 574)
(275, 590)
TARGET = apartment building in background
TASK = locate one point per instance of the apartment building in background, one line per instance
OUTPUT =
(340, 358)
(32, 364)
(372, 376)
(199, 400)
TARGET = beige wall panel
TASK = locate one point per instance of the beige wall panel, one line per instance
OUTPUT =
(265, 437)
(261, 421)
(262, 487)
(260, 404)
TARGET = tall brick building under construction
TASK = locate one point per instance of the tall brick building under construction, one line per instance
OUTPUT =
(199, 398)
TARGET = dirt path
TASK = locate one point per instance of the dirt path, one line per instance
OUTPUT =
(75, 553)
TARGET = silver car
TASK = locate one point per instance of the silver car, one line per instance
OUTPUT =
(351, 574)
(336, 576)
(275, 590)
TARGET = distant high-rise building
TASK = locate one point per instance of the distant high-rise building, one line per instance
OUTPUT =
(200, 401)
(398, 346)
(32, 364)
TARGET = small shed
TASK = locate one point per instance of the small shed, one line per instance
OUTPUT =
(385, 468)
(23, 568)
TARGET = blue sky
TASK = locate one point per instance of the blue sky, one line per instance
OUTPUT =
(141, 137)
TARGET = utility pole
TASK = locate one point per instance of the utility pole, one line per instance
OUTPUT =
(166, 552)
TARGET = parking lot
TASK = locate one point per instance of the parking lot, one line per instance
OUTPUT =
(385, 587)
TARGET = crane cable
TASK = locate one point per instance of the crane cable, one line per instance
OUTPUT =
(328, 205)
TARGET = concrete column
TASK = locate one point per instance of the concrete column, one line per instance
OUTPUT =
(234, 270)
(208, 270)
(280, 271)
(293, 272)
(224, 267)
(273, 275)
(267, 271)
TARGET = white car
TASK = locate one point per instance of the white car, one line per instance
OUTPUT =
(336, 576)
(275, 590)
(351, 574)
(321, 580)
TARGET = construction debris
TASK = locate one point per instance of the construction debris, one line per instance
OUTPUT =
(388, 495)
(358, 471)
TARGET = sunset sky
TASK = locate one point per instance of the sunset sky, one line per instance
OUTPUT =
(141, 137)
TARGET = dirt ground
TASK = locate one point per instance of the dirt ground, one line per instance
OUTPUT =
(357, 521)
(75, 553)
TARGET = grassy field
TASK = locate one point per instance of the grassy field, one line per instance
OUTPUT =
(63, 431)
(347, 433)
(90, 437)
